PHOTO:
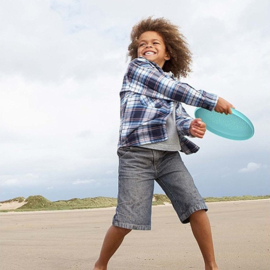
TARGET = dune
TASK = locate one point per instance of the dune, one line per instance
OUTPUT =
(11, 205)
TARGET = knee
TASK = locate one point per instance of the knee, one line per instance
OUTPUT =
(122, 231)
(198, 216)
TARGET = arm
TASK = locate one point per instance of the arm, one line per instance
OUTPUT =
(147, 79)
(183, 121)
(187, 126)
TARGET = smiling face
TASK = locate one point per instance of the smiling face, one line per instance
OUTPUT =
(152, 47)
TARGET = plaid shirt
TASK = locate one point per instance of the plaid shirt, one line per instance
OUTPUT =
(147, 97)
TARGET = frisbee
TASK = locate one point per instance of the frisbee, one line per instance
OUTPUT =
(235, 126)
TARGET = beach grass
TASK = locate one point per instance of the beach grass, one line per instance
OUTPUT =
(39, 203)
(236, 198)
(17, 199)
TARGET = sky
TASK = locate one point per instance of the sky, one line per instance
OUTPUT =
(61, 69)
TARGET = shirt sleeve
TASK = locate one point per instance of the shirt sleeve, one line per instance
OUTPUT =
(147, 79)
(183, 121)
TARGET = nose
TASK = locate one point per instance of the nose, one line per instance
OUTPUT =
(149, 45)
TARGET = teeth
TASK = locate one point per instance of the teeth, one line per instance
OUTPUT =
(149, 53)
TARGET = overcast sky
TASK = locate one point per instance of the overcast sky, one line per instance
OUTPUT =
(61, 70)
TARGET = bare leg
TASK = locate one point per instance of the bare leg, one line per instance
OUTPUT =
(201, 229)
(112, 241)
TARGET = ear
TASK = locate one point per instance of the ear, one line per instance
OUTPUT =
(167, 57)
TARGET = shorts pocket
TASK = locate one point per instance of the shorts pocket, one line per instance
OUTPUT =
(123, 150)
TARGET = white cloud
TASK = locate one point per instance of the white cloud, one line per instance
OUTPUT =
(83, 182)
(10, 182)
(251, 167)
(16, 180)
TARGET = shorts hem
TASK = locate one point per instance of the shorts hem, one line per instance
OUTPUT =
(132, 226)
(185, 217)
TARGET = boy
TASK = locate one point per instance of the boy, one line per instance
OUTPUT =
(152, 132)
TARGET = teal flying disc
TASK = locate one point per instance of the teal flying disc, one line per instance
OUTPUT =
(235, 126)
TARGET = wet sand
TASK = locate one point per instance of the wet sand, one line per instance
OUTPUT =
(72, 239)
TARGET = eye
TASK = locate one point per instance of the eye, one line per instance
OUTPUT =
(156, 42)
(141, 44)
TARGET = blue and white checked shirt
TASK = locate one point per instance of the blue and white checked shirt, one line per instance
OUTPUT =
(147, 97)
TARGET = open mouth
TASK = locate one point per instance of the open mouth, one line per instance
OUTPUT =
(149, 53)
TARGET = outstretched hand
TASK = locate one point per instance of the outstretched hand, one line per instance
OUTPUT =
(197, 128)
(223, 106)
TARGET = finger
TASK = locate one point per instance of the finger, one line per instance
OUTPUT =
(198, 122)
(230, 109)
(198, 132)
(198, 135)
(202, 124)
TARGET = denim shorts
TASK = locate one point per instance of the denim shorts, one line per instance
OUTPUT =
(138, 169)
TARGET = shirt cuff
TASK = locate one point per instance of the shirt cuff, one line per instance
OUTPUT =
(210, 101)
(183, 127)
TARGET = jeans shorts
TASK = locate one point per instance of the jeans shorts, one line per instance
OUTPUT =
(138, 169)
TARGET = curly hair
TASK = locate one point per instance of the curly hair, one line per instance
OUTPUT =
(180, 55)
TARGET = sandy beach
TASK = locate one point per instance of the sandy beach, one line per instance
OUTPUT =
(71, 239)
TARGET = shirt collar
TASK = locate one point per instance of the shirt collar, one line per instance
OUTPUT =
(169, 73)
